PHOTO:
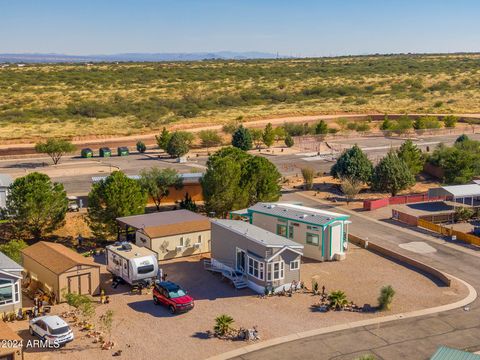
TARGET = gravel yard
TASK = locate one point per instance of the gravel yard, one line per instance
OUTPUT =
(144, 331)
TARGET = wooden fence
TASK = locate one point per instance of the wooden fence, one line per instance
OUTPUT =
(443, 230)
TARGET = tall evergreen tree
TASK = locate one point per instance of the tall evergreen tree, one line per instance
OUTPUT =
(392, 174)
(242, 138)
(268, 135)
(353, 164)
(412, 156)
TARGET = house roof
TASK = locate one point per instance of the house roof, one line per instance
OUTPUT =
(56, 257)
(186, 177)
(298, 213)
(445, 353)
(5, 180)
(459, 191)
(257, 234)
(8, 264)
(166, 223)
(6, 333)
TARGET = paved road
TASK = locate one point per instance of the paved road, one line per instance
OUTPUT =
(411, 339)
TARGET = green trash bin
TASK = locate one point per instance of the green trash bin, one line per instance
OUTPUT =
(105, 152)
(122, 151)
(87, 153)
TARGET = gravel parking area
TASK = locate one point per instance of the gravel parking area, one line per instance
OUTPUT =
(145, 331)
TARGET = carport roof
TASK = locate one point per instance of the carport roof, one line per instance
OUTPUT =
(56, 257)
(460, 191)
(166, 223)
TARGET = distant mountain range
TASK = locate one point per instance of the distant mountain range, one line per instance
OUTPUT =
(56, 58)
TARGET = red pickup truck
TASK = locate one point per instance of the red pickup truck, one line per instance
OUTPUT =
(173, 296)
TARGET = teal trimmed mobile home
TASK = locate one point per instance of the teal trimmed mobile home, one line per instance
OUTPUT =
(324, 234)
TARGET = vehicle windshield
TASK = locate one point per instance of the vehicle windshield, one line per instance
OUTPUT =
(59, 331)
(145, 269)
(176, 293)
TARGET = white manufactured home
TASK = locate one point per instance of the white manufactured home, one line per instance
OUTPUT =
(324, 234)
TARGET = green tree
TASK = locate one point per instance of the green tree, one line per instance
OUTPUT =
(234, 180)
(257, 139)
(223, 324)
(392, 174)
(209, 138)
(36, 205)
(308, 174)
(13, 249)
(188, 204)
(163, 139)
(412, 156)
(260, 180)
(462, 138)
(179, 144)
(280, 133)
(403, 125)
(354, 164)
(141, 147)
(386, 297)
(55, 148)
(387, 124)
(242, 138)
(289, 141)
(321, 128)
(362, 127)
(157, 183)
(111, 198)
(337, 299)
(450, 121)
(463, 213)
(268, 135)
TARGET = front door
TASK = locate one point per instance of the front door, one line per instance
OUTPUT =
(241, 260)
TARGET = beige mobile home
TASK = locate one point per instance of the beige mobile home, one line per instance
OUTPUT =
(170, 234)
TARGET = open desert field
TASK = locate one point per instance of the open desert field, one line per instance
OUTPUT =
(119, 99)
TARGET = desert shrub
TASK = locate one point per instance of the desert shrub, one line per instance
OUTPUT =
(308, 174)
(386, 297)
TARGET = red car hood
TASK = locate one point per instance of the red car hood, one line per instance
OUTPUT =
(182, 300)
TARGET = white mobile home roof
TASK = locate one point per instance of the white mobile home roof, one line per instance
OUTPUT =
(297, 212)
(256, 234)
(457, 191)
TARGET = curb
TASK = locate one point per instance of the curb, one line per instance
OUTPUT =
(472, 295)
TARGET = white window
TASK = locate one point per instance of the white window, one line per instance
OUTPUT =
(9, 292)
(256, 268)
(276, 271)
(294, 265)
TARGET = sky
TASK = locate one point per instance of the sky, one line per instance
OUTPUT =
(287, 27)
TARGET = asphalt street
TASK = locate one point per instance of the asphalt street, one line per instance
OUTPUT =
(414, 338)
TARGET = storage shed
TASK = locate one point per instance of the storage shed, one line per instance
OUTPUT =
(57, 268)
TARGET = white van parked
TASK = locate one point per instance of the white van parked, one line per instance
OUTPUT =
(52, 329)
(132, 263)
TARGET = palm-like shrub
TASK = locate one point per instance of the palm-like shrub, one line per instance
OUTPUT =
(337, 299)
(223, 324)
(386, 297)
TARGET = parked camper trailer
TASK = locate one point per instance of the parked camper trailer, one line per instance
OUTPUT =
(132, 264)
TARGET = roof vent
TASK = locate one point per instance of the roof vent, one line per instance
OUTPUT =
(126, 246)
(271, 206)
(304, 216)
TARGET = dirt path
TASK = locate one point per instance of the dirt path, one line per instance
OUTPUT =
(149, 139)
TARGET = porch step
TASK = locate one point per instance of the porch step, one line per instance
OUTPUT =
(239, 284)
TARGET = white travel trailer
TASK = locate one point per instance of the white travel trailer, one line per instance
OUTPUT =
(131, 263)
